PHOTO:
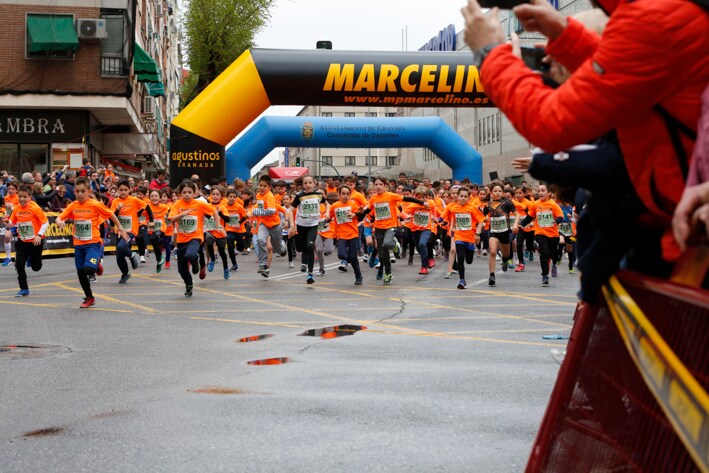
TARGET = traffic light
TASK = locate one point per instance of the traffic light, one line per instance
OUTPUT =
(297, 162)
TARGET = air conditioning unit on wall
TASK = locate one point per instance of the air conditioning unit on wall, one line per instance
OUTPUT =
(159, 10)
(91, 28)
(148, 107)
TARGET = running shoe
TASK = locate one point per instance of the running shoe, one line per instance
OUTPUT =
(310, 279)
(380, 275)
(392, 259)
(411, 260)
(235, 267)
(161, 263)
(226, 274)
(491, 280)
(377, 263)
(92, 278)
(88, 302)
(142, 259)
(321, 272)
(195, 268)
(167, 265)
(365, 259)
(210, 266)
(449, 275)
(188, 290)
(202, 272)
(571, 270)
(124, 279)
(423, 271)
(99, 269)
(545, 280)
(526, 254)
(484, 252)
(519, 268)
(343, 266)
(23, 293)
(531, 256)
(504, 265)
(554, 271)
(265, 272)
(461, 284)
(358, 281)
(397, 248)
(291, 264)
(284, 252)
(431, 263)
(134, 260)
(303, 268)
(387, 279)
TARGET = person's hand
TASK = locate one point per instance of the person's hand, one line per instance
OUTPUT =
(481, 29)
(515, 229)
(122, 232)
(37, 240)
(700, 221)
(60, 223)
(514, 41)
(689, 207)
(522, 164)
(541, 16)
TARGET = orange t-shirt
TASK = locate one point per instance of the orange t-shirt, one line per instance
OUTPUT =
(159, 213)
(237, 217)
(345, 227)
(29, 219)
(330, 190)
(422, 218)
(358, 198)
(267, 201)
(215, 225)
(545, 214)
(325, 229)
(191, 226)
(87, 219)
(385, 209)
(13, 200)
(463, 221)
(128, 215)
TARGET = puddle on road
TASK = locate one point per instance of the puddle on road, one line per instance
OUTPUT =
(44, 432)
(269, 361)
(334, 331)
(255, 338)
(26, 350)
(218, 390)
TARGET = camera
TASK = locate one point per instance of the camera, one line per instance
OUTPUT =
(501, 4)
(532, 58)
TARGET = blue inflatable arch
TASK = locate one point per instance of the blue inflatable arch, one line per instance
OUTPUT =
(316, 132)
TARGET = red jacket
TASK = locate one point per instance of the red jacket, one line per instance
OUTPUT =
(651, 52)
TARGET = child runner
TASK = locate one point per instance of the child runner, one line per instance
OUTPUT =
(235, 231)
(189, 214)
(547, 215)
(215, 232)
(127, 208)
(325, 241)
(155, 233)
(88, 215)
(167, 231)
(269, 224)
(11, 200)
(142, 237)
(307, 204)
(498, 211)
(422, 228)
(342, 215)
(525, 235)
(31, 224)
(466, 223)
(287, 220)
(567, 234)
(386, 219)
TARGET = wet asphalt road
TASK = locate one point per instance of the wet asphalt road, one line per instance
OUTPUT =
(147, 380)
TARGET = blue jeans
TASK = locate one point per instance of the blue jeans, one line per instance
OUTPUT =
(421, 239)
(347, 250)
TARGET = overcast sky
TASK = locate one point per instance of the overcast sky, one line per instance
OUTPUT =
(364, 25)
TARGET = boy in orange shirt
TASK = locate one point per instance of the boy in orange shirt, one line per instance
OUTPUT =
(31, 224)
(547, 214)
(269, 224)
(128, 209)
(343, 221)
(155, 234)
(235, 227)
(88, 214)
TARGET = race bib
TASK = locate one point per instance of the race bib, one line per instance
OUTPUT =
(310, 208)
(82, 230)
(382, 211)
(498, 224)
(126, 222)
(234, 220)
(187, 224)
(545, 219)
(158, 225)
(259, 204)
(463, 222)
(342, 215)
(422, 219)
(209, 224)
(323, 226)
(25, 230)
(566, 229)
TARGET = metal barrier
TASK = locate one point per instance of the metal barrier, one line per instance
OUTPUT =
(631, 394)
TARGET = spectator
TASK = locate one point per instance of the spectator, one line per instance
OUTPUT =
(27, 178)
(614, 85)
(40, 197)
(60, 201)
(50, 184)
(69, 179)
(160, 182)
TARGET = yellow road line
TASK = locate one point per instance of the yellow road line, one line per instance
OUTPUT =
(111, 299)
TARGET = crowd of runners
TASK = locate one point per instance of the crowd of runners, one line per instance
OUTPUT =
(205, 227)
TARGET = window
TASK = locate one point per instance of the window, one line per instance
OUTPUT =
(371, 161)
(327, 160)
(391, 114)
(18, 158)
(114, 48)
(325, 114)
(349, 114)
(370, 114)
(392, 161)
(350, 161)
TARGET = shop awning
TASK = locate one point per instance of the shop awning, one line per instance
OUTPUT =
(155, 89)
(47, 33)
(287, 174)
(144, 66)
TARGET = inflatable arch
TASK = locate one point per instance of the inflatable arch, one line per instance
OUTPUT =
(260, 78)
(318, 132)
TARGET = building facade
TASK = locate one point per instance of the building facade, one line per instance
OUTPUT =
(94, 79)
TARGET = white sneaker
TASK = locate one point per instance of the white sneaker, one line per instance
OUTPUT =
(142, 259)
(291, 264)
(484, 252)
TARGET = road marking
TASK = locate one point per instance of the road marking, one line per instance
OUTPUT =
(110, 299)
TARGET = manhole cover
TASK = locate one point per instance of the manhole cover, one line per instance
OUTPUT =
(335, 331)
(30, 350)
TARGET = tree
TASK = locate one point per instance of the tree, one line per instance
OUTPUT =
(217, 32)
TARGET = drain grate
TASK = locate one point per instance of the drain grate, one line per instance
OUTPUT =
(35, 350)
(334, 331)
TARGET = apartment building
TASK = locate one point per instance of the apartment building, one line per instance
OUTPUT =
(93, 79)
